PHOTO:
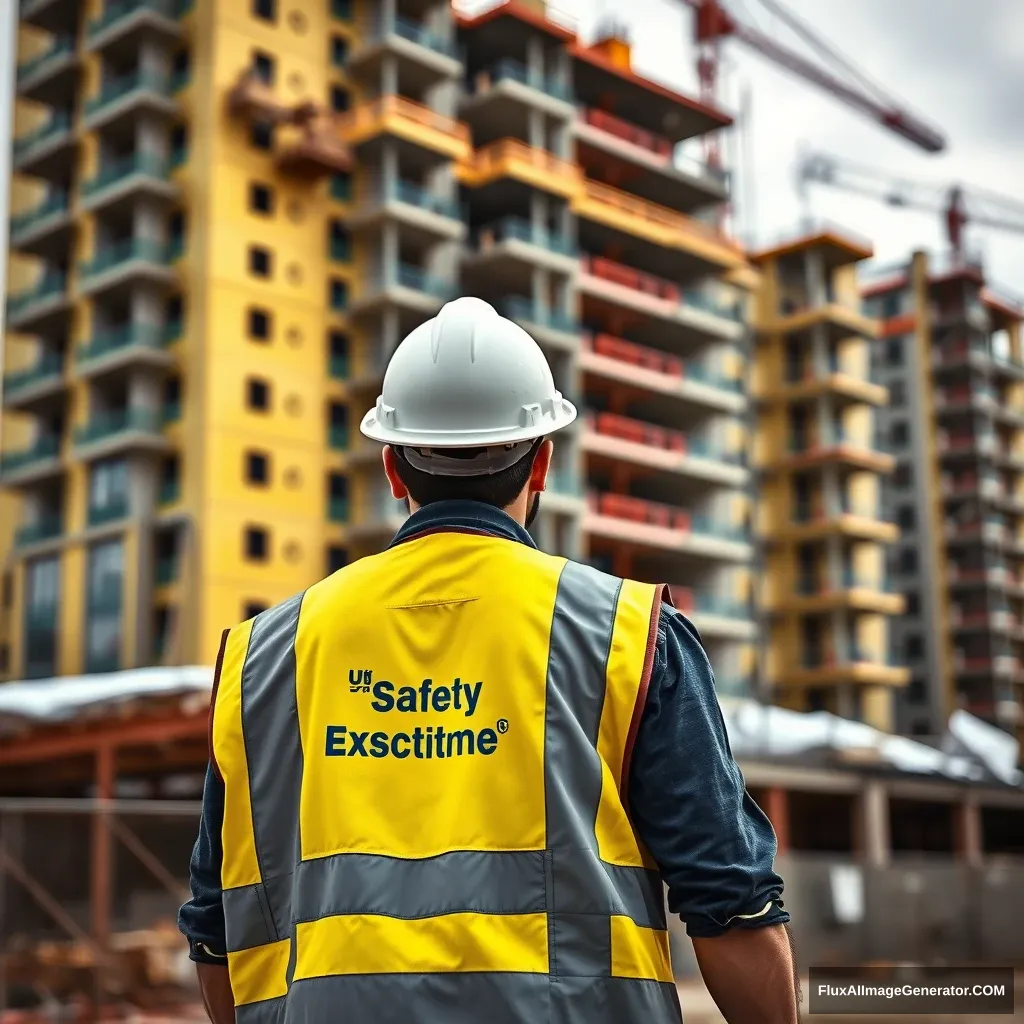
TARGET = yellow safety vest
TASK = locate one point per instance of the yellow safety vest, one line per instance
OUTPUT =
(424, 759)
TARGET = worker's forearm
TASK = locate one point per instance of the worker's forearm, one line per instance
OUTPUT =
(749, 973)
(215, 985)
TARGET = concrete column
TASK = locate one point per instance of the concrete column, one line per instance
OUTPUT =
(154, 58)
(388, 76)
(389, 171)
(535, 59)
(535, 133)
(968, 837)
(776, 806)
(389, 253)
(151, 137)
(874, 821)
(815, 272)
(389, 333)
(147, 306)
(538, 213)
(144, 392)
(540, 291)
(149, 222)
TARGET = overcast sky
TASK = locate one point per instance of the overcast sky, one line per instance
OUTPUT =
(959, 63)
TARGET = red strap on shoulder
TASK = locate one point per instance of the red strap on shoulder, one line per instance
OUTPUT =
(218, 666)
(660, 592)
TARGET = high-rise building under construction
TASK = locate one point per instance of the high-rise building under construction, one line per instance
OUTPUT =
(227, 213)
(825, 588)
(951, 358)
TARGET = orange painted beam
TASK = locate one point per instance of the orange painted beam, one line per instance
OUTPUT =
(55, 744)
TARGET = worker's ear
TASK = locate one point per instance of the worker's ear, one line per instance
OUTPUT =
(398, 489)
(541, 466)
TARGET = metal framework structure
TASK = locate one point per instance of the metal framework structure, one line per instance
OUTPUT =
(831, 72)
(958, 204)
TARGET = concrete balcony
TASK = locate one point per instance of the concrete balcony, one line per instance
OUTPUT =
(126, 97)
(511, 248)
(852, 521)
(986, 620)
(963, 398)
(124, 347)
(679, 318)
(990, 530)
(121, 182)
(840, 322)
(124, 23)
(415, 126)
(511, 160)
(313, 149)
(44, 229)
(859, 593)
(954, 445)
(38, 385)
(425, 218)
(694, 248)
(862, 669)
(122, 265)
(44, 305)
(986, 666)
(113, 510)
(638, 366)
(662, 529)
(408, 287)
(38, 461)
(45, 151)
(251, 99)
(995, 576)
(848, 453)
(50, 76)
(846, 389)
(424, 57)
(715, 617)
(122, 430)
(40, 531)
(657, 174)
(621, 439)
(549, 328)
(500, 98)
(49, 15)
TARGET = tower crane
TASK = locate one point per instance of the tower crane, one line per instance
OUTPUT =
(959, 205)
(713, 23)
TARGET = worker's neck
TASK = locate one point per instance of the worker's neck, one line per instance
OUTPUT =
(518, 510)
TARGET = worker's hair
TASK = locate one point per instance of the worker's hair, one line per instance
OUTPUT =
(498, 489)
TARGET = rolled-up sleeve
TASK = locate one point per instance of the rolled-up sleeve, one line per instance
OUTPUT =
(201, 919)
(713, 845)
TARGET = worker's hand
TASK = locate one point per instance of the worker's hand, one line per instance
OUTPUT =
(215, 985)
(750, 975)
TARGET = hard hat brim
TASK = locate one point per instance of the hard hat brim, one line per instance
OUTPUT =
(564, 414)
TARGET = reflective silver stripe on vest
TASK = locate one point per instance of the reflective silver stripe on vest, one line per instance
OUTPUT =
(585, 891)
(269, 1011)
(270, 726)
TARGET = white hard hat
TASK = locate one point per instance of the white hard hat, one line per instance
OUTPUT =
(468, 378)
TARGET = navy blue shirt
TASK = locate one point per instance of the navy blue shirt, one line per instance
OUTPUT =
(713, 845)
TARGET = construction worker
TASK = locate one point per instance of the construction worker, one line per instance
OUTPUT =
(448, 782)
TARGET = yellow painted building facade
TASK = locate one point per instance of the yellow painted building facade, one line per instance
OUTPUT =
(824, 586)
(227, 213)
